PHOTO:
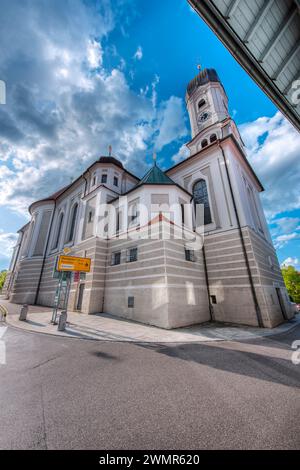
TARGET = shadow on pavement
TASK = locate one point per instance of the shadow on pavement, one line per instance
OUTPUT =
(103, 355)
(251, 364)
(35, 323)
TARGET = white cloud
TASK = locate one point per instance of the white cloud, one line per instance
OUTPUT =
(281, 240)
(7, 242)
(182, 154)
(138, 55)
(290, 262)
(285, 224)
(94, 54)
(171, 122)
(273, 149)
(64, 107)
(284, 229)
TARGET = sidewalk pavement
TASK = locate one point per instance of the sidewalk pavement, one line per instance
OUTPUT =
(104, 327)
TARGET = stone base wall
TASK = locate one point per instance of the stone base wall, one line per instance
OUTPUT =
(229, 280)
(26, 278)
(168, 291)
(93, 282)
(271, 280)
(187, 290)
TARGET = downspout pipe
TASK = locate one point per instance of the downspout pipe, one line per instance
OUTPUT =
(44, 256)
(256, 304)
(211, 310)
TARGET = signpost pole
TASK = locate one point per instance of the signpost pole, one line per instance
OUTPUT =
(57, 299)
(65, 266)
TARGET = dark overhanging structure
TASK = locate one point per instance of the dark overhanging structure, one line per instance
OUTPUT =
(265, 40)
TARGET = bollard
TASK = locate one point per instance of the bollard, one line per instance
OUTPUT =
(62, 321)
(23, 313)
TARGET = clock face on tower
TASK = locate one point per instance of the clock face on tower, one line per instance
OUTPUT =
(203, 117)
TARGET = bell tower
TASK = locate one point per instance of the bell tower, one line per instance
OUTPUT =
(206, 101)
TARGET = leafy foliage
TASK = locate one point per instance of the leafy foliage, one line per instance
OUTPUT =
(292, 281)
(2, 278)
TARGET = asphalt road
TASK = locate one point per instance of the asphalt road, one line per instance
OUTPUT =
(58, 393)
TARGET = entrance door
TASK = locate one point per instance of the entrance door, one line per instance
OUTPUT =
(281, 303)
(80, 297)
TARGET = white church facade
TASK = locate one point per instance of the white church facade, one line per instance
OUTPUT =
(166, 281)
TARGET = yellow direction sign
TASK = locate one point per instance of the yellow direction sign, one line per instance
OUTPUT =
(74, 263)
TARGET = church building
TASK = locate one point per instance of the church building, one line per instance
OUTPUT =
(167, 281)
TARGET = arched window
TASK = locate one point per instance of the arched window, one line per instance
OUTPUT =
(58, 230)
(201, 103)
(201, 197)
(73, 222)
(204, 143)
(213, 138)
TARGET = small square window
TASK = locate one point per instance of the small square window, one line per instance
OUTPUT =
(104, 179)
(213, 299)
(189, 255)
(132, 255)
(130, 302)
(116, 182)
(116, 258)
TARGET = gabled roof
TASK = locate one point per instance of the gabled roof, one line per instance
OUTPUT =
(217, 143)
(155, 176)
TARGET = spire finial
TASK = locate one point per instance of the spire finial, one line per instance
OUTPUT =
(109, 150)
(154, 158)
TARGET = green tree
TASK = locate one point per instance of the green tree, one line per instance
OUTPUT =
(2, 278)
(292, 281)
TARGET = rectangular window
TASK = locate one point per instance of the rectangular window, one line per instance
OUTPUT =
(213, 299)
(104, 179)
(116, 258)
(130, 302)
(90, 216)
(116, 182)
(189, 255)
(94, 181)
(132, 255)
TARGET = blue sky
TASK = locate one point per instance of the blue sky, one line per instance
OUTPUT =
(82, 75)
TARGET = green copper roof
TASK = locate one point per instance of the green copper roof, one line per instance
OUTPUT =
(155, 176)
